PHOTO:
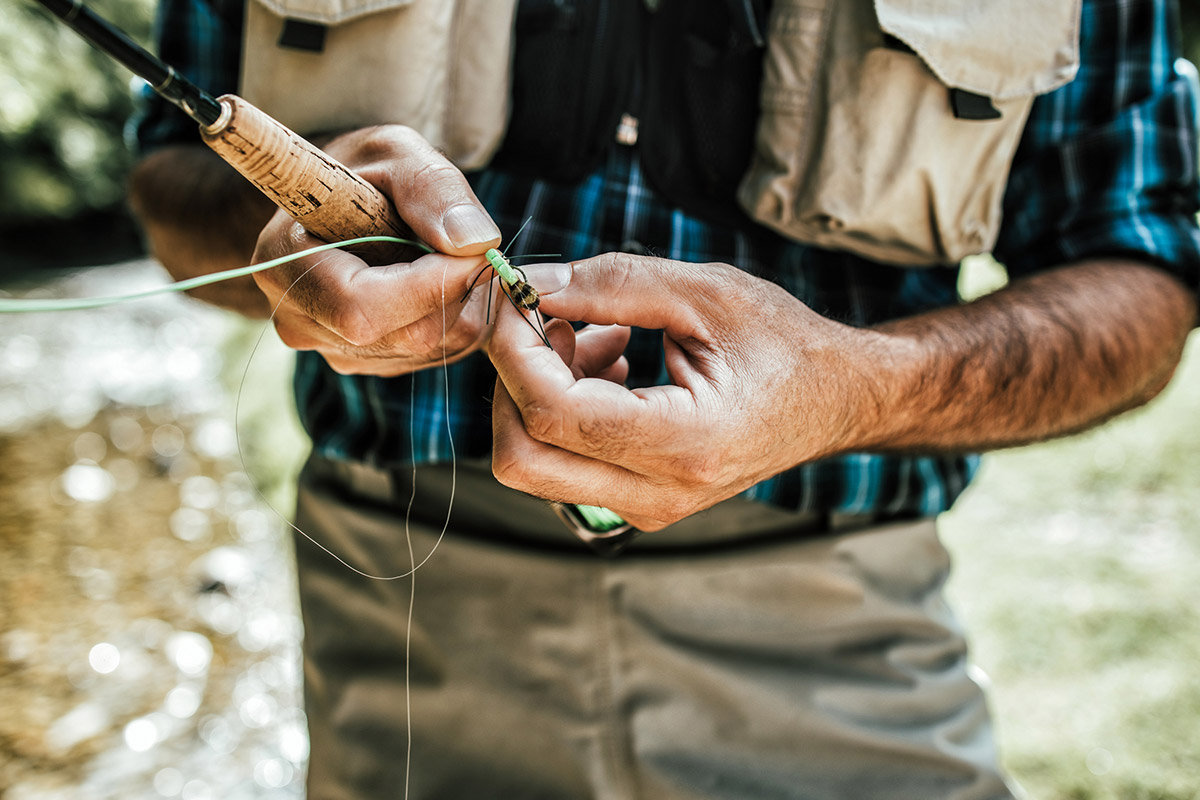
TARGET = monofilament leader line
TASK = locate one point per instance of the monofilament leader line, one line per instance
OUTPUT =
(414, 566)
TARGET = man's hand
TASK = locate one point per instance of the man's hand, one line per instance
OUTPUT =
(201, 217)
(760, 383)
(395, 318)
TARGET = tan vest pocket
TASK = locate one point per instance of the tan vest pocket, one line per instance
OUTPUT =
(859, 148)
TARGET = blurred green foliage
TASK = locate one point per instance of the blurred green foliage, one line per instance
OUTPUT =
(63, 109)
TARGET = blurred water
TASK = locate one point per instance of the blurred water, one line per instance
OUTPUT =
(154, 652)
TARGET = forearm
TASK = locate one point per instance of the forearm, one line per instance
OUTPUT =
(200, 217)
(1049, 355)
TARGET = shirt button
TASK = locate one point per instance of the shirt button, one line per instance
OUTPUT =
(627, 130)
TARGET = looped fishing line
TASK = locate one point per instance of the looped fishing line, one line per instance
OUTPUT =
(412, 498)
(412, 592)
(412, 596)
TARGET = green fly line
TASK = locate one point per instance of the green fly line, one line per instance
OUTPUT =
(9, 305)
(601, 519)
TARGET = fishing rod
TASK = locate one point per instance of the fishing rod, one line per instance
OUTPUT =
(328, 199)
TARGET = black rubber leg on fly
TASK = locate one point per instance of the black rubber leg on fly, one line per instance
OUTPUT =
(487, 319)
(541, 330)
(478, 275)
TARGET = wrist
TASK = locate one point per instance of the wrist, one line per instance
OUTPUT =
(875, 377)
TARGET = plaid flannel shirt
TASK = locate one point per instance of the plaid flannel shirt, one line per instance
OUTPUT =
(1107, 166)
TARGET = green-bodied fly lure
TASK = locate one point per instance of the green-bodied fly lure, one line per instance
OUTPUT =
(519, 291)
(514, 285)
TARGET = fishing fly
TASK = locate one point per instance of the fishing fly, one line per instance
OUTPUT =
(513, 283)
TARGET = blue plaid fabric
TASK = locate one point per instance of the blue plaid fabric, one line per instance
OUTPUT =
(1107, 166)
(202, 40)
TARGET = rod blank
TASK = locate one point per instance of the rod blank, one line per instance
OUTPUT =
(162, 77)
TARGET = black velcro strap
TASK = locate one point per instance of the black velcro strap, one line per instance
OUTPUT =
(968, 105)
(300, 35)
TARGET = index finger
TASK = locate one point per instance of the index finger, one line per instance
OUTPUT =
(639, 291)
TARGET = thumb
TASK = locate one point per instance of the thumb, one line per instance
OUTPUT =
(429, 192)
(623, 289)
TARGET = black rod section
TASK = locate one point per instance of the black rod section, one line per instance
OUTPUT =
(162, 77)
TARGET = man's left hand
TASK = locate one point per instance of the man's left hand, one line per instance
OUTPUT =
(758, 383)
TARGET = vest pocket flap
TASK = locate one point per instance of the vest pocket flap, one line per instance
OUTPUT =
(998, 49)
(330, 12)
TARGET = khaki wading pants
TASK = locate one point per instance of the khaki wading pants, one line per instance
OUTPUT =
(735, 655)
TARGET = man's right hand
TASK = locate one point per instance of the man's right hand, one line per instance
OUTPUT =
(395, 318)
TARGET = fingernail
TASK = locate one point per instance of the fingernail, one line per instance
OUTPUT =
(548, 278)
(467, 225)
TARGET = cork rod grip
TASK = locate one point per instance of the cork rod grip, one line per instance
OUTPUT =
(319, 192)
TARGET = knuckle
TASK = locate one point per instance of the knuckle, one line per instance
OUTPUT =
(680, 504)
(377, 143)
(352, 325)
(666, 510)
(673, 510)
(395, 134)
(419, 342)
(543, 424)
(649, 525)
(405, 136)
(702, 471)
(619, 267)
(604, 438)
(422, 338)
(374, 143)
(434, 176)
(509, 467)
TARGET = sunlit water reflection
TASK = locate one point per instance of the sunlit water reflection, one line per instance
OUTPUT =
(149, 640)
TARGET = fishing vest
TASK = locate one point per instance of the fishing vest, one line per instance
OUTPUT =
(881, 127)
